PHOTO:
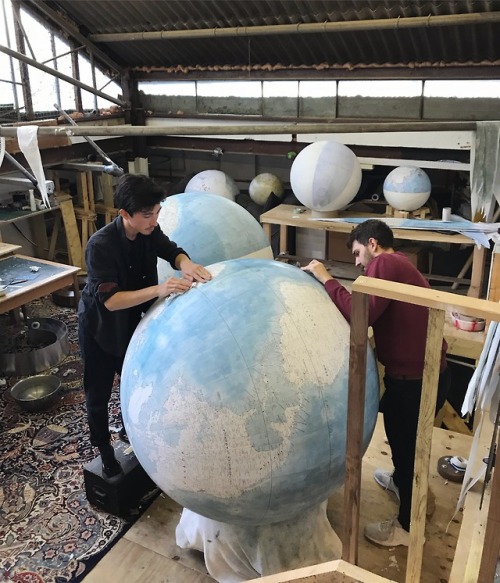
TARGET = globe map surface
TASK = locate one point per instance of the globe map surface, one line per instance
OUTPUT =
(210, 228)
(325, 176)
(234, 394)
(407, 188)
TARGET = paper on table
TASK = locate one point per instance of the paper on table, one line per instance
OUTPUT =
(28, 143)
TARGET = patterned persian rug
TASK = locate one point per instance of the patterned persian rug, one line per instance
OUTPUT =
(49, 533)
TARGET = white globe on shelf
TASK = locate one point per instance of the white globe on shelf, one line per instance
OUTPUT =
(325, 176)
(407, 188)
(213, 182)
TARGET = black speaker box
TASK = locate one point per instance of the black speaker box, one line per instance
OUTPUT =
(124, 497)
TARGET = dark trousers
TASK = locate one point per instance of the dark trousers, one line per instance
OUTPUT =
(99, 369)
(400, 406)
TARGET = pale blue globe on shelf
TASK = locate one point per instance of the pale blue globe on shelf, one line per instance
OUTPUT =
(234, 394)
(407, 188)
(211, 229)
(325, 176)
(213, 182)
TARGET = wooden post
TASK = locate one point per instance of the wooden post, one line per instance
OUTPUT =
(283, 239)
(476, 279)
(71, 229)
(491, 548)
(355, 424)
(494, 284)
(423, 446)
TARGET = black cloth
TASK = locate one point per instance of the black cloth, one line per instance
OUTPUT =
(400, 406)
(114, 263)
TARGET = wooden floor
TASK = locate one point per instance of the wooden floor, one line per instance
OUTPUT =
(147, 552)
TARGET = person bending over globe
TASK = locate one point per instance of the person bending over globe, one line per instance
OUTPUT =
(400, 332)
(122, 283)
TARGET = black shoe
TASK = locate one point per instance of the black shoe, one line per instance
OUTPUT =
(112, 471)
(122, 434)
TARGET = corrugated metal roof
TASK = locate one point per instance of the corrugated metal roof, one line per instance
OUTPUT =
(454, 45)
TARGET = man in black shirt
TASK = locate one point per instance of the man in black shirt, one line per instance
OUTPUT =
(122, 283)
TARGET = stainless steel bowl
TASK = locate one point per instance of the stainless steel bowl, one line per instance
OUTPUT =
(36, 393)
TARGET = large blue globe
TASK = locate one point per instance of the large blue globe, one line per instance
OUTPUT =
(234, 394)
(210, 228)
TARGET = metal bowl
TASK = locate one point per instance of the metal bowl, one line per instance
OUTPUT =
(36, 393)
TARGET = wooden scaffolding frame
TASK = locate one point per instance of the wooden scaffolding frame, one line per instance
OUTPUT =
(474, 561)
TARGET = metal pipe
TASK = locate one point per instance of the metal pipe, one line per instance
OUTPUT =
(112, 168)
(303, 28)
(21, 168)
(242, 129)
(59, 75)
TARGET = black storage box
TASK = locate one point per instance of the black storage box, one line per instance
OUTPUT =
(125, 496)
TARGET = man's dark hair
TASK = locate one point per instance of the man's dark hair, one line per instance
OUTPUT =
(371, 229)
(136, 192)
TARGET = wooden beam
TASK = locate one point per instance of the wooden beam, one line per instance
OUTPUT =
(424, 441)
(355, 424)
(331, 572)
(430, 298)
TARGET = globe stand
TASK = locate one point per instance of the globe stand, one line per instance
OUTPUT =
(324, 214)
(420, 213)
(238, 553)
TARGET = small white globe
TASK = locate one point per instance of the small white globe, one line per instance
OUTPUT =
(325, 176)
(407, 188)
(262, 185)
(213, 182)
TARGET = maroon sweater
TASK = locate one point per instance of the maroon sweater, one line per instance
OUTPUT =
(399, 328)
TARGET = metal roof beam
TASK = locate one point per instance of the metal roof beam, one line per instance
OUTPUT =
(59, 75)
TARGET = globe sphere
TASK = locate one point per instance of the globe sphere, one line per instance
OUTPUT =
(234, 394)
(407, 188)
(325, 176)
(213, 182)
(263, 185)
(210, 228)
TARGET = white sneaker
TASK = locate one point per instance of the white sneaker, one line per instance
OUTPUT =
(384, 479)
(388, 533)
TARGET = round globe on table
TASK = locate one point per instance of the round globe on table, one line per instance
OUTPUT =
(325, 176)
(213, 182)
(407, 188)
(211, 229)
(234, 394)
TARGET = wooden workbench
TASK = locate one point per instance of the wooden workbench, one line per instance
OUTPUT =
(285, 216)
(33, 284)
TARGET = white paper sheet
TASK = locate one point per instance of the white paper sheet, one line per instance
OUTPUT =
(28, 143)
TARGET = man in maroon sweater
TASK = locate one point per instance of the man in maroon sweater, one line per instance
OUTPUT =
(400, 332)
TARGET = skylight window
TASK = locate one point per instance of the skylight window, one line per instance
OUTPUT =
(479, 88)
